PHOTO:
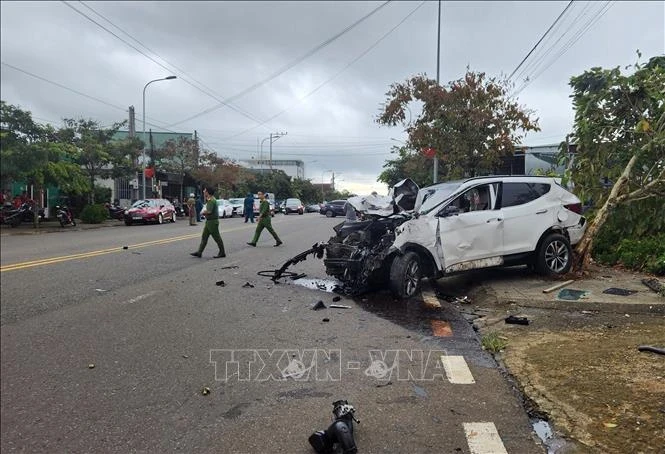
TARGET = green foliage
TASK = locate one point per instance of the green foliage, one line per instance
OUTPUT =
(94, 214)
(493, 342)
(471, 123)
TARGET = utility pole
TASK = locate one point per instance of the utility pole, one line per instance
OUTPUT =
(333, 182)
(132, 122)
(435, 160)
(276, 135)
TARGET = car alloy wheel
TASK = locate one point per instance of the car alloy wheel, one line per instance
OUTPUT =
(160, 218)
(329, 214)
(405, 275)
(554, 255)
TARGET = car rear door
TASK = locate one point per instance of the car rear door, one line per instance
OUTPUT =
(526, 214)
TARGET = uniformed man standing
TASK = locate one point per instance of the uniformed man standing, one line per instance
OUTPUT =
(191, 209)
(211, 227)
(264, 221)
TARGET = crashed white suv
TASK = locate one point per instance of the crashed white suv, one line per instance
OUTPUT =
(455, 226)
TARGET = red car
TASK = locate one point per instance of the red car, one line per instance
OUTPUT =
(150, 210)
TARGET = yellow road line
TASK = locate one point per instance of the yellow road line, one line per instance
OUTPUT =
(84, 255)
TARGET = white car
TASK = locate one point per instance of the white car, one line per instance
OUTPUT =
(456, 226)
(224, 208)
(238, 206)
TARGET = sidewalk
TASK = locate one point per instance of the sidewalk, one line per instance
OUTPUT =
(54, 226)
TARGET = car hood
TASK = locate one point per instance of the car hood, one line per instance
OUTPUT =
(402, 195)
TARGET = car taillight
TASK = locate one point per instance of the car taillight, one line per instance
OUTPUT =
(574, 207)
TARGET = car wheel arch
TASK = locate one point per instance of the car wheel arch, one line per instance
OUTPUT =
(427, 262)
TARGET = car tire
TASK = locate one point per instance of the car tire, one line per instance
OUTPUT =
(330, 214)
(405, 275)
(301, 212)
(555, 256)
(128, 223)
(160, 218)
(173, 217)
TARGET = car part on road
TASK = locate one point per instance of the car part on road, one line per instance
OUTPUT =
(654, 284)
(318, 305)
(220, 283)
(513, 320)
(340, 432)
(339, 306)
(247, 285)
(652, 349)
(336, 298)
(572, 295)
(619, 291)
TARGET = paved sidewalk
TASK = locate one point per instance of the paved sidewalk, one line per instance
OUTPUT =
(54, 226)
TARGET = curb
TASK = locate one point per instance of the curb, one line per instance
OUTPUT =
(657, 308)
(9, 231)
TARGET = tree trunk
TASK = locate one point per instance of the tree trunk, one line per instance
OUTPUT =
(585, 246)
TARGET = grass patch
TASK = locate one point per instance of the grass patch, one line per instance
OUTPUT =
(493, 342)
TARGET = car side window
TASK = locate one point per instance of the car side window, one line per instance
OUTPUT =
(520, 193)
(475, 199)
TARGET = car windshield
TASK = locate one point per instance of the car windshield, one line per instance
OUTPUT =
(142, 204)
(435, 195)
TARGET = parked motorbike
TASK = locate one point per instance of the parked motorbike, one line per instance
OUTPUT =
(24, 213)
(65, 216)
(116, 211)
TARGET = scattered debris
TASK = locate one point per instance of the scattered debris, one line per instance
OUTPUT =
(441, 328)
(91, 366)
(101, 290)
(185, 356)
(619, 291)
(462, 300)
(137, 253)
(339, 433)
(220, 283)
(318, 305)
(339, 306)
(654, 284)
(205, 391)
(336, 298)
(572, 295)
(609, 425)
(558, 286)
(230, 267)
(652, 349)
(248, 285)
(381, 385)
(298, 276)
(326, 319)
(125, 247)
(588, 313)
(513, 320)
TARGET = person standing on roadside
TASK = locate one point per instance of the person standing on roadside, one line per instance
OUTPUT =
(264, 222)
(191, 209)
(199, 207)
(211, 227)
(248, 207)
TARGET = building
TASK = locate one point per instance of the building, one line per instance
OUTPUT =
(536, 160)
(295, 168)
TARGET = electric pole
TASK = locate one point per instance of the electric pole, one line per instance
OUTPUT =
(435, 160)
(132, 122)
(275, 135)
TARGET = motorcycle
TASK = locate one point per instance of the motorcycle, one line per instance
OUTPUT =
(65, 216)
(116, 211)
(23, 213)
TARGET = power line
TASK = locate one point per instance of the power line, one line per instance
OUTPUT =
(541, 38)
(334, 76)
(286, 67)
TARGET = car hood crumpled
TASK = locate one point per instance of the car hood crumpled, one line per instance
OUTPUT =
(402, 195)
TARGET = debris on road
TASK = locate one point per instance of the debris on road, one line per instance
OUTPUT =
(185, 356)
(441, 328)
(336, 298)
(220, 283)
(318, 305)
(125, 247)
(339, 433)
(654, 284)
(326, 320)
(381, 385)
(247, 285)
(652, 349)
(513, 320)
(91, 366)
(619, 291)
(205, 391)
(558, 286)
(572, 295)
(101, 290)
(230, 267)
(339, 306)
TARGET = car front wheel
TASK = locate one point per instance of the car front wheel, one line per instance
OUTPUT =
(173, 217)
(160, 218)
(555, 256)
(405, 275)
(329, 214)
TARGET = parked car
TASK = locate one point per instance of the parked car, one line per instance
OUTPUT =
(256, 206)
(315, 208)
(150, 210)
(454, 227)
(334, 208)
(293, 206)
(224, 208)
(238, 206)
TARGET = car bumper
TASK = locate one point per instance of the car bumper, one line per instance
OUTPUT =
(576, 232)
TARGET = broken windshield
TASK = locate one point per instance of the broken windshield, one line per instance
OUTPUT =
(433, 196)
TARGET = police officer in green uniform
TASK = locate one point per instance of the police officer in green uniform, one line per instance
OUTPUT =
(264, 222)
(211, 226)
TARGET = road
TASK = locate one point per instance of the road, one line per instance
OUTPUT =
(157, 330)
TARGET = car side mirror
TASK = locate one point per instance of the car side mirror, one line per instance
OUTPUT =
(450, 210)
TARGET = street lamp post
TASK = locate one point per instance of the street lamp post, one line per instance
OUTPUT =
(143, 136)
(273, 137)
(323, 173)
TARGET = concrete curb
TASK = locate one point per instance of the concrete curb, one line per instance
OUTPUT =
(637, 307)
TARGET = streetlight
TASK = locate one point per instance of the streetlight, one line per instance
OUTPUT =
(143, 137)
(273, 137)
(323, 173)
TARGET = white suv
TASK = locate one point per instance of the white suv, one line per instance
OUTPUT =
(453, 227)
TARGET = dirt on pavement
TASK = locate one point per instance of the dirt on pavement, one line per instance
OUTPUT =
(581, 369)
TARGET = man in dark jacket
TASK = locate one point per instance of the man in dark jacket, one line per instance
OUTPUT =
(249, 207)
(199, 207)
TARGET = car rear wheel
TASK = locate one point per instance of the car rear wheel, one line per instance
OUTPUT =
(330, 214)
(160, 218)
(555, 256)
(173, 217)
(405, 275)
(301, 212)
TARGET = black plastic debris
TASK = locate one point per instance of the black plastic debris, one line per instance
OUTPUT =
(512, 320)
(298, 276)
(653, 284)
(619, 291)
(220, 283)
(125, 247)
(381, 385)
(337, 298)
(652, 349)
(230, 267)
(326, 320)
(318, 305)
(248, 285)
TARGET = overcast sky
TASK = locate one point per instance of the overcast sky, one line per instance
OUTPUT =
(326, 102)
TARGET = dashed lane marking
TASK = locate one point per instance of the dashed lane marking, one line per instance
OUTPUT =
(457, 370)
(483, 438)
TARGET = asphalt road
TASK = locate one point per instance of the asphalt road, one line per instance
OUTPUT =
(158, 331)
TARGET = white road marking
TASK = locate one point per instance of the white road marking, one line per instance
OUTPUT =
(457, 370)
(483, 438)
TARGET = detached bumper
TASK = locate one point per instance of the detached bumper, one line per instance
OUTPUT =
(576, 232)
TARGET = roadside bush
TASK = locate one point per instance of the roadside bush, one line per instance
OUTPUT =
(642, 254)
(94, 214)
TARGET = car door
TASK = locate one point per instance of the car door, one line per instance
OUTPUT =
(526, 214)
(473, 238)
